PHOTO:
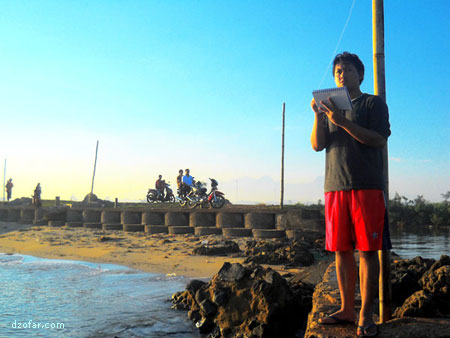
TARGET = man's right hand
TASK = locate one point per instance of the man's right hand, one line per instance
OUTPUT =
(314, 107)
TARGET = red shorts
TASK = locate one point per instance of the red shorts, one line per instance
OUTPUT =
(354, 219)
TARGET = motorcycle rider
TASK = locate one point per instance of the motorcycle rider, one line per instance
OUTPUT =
(188, 182)
(160, 185)
(180, 182)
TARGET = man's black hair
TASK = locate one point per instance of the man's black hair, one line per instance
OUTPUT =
(347, 57)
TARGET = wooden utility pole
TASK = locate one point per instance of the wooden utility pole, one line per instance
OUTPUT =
(385, 289)
(93, 175)
(282, 159)
(4, 180)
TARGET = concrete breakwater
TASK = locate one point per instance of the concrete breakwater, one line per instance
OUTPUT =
(229, 222)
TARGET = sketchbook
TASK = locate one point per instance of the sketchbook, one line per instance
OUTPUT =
(339, 96)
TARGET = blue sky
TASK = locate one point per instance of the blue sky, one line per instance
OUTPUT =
(165, 85)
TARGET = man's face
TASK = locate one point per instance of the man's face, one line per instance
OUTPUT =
(346, 74)
(187, 172)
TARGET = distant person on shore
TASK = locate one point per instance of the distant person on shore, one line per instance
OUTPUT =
(355, 207)
(8, 187)
(37, 195)
(188, 182)
(179, 182)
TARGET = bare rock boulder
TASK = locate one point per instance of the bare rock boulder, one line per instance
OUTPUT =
(433, 300)
(216, 248)
(279, 252)
(245, 301)
(405, 277)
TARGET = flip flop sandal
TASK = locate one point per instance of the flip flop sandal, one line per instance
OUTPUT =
(368, 331)
(336, 321)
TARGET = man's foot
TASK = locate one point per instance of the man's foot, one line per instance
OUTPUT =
(370, 330)
(336, 319)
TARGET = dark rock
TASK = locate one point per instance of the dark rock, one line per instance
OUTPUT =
(279, 252)
(208, 308)
(437, 282)
(20, 202)
(248, 301)
(183, 300)
(258, 331)
(253, 324)
(443, 261)
(216, 333)
(221, 248)
(201, 294)
(105, 239)
(205, 325)
(194, 315)
(194, 285)
(405, 277)
(433, 298)
(423, 304)
(93, 201)
(231, 272)
(220, 297)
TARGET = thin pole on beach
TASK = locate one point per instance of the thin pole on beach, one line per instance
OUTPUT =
(385, 289)
(93, 175)
(282, 158)
(4, 180)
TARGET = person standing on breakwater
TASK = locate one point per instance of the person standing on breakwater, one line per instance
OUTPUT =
(37, 195)
(9, 185)
(355, 208)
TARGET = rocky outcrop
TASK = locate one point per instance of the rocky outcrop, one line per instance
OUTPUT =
(326, 300)
(20, 202)
(216, 248)
(293, 254)
(246, 301)
(433, 298)
(93, 201)
(405, 276)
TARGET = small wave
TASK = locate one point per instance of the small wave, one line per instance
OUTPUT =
(10, 259)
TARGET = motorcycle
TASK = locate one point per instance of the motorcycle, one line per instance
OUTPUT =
(198, 196)
(152, 195)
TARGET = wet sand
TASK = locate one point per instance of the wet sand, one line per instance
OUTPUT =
(158, 253)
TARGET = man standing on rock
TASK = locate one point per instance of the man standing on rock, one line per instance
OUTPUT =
(355, 207)
(9, 186)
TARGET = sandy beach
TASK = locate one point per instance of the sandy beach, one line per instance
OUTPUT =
(157, 253)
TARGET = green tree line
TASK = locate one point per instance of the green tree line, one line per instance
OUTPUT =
(418, 211)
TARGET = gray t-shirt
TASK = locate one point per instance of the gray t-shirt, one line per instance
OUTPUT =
(351, 165)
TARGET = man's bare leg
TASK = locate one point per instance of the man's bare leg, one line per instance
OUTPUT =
(346, 276)
(368, 275)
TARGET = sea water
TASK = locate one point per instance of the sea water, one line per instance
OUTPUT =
(425, 241)
(61, 298)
